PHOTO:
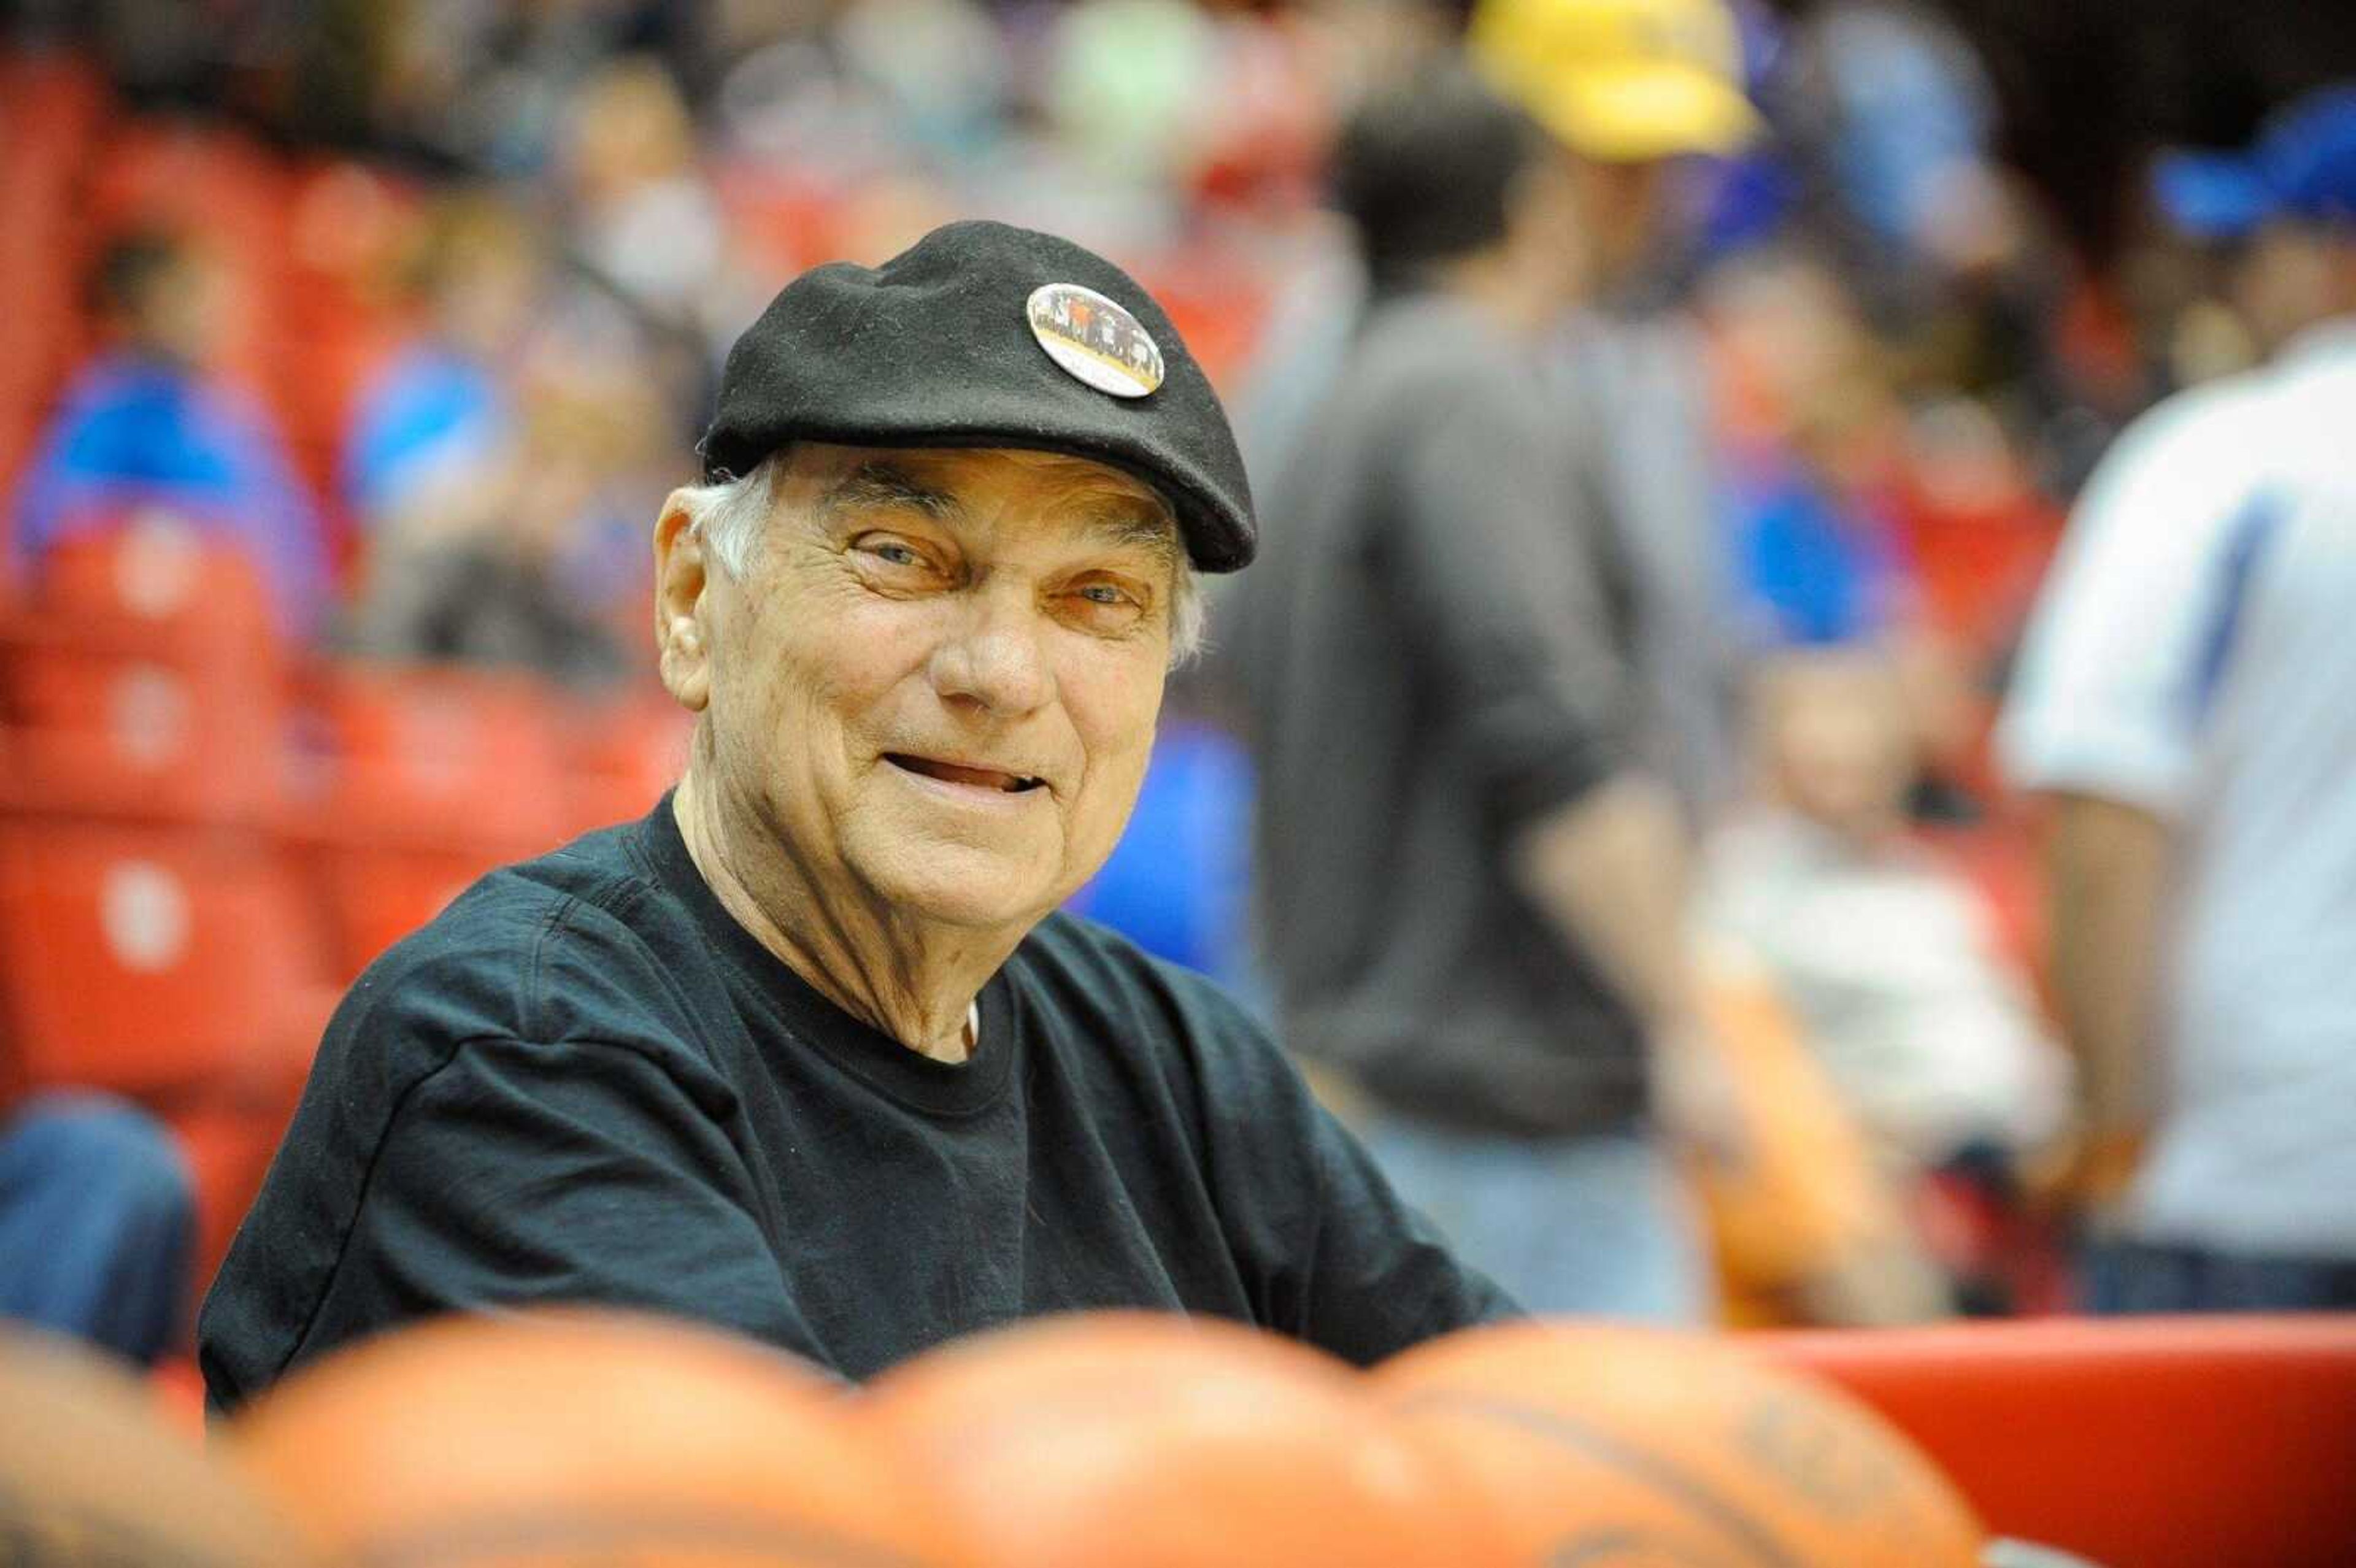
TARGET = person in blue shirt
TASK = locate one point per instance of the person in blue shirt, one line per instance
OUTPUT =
(148, 423)
(440, 406)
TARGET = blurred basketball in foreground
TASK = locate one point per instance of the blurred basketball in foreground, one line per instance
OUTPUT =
(565, 1439)
(1625, 1448)
(91, 1478)
(1120, 1440)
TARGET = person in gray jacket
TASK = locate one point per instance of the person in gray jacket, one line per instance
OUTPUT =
(1473, 885)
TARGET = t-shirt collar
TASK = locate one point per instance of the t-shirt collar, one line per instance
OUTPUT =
(909, 1076)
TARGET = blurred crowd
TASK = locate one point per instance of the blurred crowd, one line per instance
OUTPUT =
(420, 305)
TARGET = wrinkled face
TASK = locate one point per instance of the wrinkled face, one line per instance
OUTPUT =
(935, 685)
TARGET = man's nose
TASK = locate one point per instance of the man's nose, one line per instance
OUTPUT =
(995, 656)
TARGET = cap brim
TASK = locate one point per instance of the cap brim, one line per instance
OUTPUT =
(1658, 112)
(2212, 195)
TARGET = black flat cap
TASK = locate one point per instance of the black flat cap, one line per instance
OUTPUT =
(983, 334)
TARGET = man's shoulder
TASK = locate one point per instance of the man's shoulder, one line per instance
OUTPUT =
(2215, 432)
(1089, 974)
(569, 943)
(1438, 343)
(1075, 953)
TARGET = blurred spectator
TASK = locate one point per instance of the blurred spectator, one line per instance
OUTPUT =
(1635, 89)
(642, 217)
(440, 406)
(1888, 958)
(2185, 700)
(1814, 559)
(1888, 109)
(1472, 890)
(482, 85)
(97, 1223)
(1632, 91)
(501, 462)
(527, 550)
(149, 424)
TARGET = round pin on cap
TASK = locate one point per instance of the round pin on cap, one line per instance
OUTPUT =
(1094, 339)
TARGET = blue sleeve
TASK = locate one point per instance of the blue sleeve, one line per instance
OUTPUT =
(68, 471)
(270, 504)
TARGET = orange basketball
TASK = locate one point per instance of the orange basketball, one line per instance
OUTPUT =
(1122, 1440)
(565, 1439)
(92, 1478)
(1626, 1448)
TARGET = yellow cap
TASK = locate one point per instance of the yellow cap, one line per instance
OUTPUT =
(1620, 80)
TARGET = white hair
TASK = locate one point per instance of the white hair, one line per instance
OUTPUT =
(731, 516)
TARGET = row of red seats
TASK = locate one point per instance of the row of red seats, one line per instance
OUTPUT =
(140, 680)
(203, 838)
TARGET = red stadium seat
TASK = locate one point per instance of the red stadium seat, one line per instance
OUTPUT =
(622, 756)
(2139, 1443)
(148, 581)
(142, 676)
(431, 777)
(436, 759)
(375, 897)
(155, 963)
(152, 740)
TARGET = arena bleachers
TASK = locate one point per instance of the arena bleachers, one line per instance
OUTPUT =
(205, 836)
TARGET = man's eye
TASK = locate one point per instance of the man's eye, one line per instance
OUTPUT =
(896, 554)
(1103, 593)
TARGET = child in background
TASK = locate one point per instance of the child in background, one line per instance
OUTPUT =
(1887, 957)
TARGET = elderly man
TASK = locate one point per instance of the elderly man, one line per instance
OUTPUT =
(806, 1052)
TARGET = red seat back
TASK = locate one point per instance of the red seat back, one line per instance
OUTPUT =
(2139, 1443)
(143, 678)
(624, 753)
(151, 962)
(151, 581)
(375, 897)
(438, 759)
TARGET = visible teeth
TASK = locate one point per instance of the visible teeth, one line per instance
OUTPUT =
(957, 773)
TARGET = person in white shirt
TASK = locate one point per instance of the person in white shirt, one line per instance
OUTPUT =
(2187, 698)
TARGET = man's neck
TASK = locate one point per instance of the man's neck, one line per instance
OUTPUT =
(1499, 284)
(913, 979)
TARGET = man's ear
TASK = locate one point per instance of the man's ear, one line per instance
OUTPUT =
(682, 632)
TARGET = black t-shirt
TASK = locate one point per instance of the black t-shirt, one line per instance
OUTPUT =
(586, 1082)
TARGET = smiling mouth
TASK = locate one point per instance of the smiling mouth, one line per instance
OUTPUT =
(956, 772)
